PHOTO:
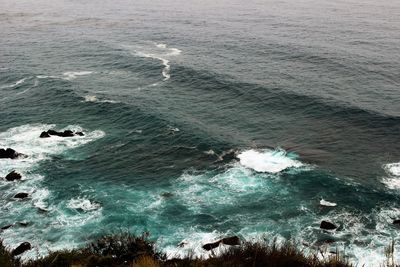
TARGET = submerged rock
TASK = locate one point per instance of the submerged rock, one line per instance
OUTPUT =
(231, 241)
(21, 248)
(12, 176)
(327, 225)
(167, 194)
(6, 227)
(9, 153)
(23, 224)
(42, 210)
(21, 195)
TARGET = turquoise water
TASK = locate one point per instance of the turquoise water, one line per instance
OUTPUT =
(305, 93)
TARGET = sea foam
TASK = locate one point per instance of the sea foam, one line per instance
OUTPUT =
(271, 161)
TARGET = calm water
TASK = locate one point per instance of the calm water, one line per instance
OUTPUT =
(305, 92)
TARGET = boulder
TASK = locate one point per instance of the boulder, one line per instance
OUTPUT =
(12, 176)
(231, 241)
(79, 133)
(9, 153)
(23, 223)
(44, 135)
(21, 248)
(327, 225)
(21, 195)
(396, 222)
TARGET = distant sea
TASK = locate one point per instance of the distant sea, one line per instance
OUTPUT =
(202, 119)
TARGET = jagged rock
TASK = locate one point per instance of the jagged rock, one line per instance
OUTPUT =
(21, 248)
(6, 227)
(327, 225)
(231, 241)
(9, 153)
(79, 133)
(44, 135)
(21, 195)
(12, 176)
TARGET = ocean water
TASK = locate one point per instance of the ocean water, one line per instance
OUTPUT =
(306, 93)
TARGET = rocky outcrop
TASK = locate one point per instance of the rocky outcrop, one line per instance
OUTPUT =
(66, 133)
(231, 241)
(21, 195)
(21, 248)
(10, 153)
(12, 176)
(327, 225)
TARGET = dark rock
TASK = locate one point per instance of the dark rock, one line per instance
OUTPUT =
(210, 246)
(21, 248)
(231, 241)
(44, 135)
(67, 133)
(12, 176)
(6, 227)
(396, 222)
(24, 224)
(327, 225)
(9, 153)
(52, 132)
(21, 195)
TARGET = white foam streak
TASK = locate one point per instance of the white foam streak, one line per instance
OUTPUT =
(14, 84)
(83, 204)
(325, 203)
(162, 56)
(93, 98)
(271, 161)
(70, 75)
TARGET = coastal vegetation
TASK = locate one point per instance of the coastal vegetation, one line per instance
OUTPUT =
(139, 251)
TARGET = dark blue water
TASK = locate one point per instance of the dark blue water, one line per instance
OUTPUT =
(304, 93)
